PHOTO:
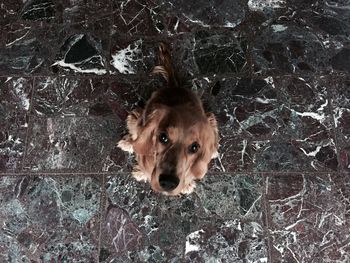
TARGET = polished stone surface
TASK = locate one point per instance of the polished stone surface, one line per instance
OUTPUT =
(274, 72)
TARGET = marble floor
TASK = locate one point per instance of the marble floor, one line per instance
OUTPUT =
(275, 73)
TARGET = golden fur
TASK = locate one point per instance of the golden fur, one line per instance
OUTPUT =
(172, 138)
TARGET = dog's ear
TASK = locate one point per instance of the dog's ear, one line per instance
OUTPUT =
(145, 142)
(200, 166)
(215, 142)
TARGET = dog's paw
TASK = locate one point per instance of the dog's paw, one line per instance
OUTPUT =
(125, 145)
(215, 155)
(189, 187)
(140, 176)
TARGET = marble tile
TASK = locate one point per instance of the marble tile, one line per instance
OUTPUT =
(341, 112)
(49, 219)
(9, 11)
(83, 11)
(27, 49)
(16, 94)
(37, 37)
(83, 48)
(138, 17)
(234, 230)
(126, 94)
(208, 13)
(273, 124)
(130, 57)
(39, 10)
(309, 217)
(220, 53)
(69, 96)
(228, 241)
(154, 227)
(154, 18)
(285, 48)
(231, 196)
(200, 53)
(147, 217)
(79, 144)
(304, 37)
(59, 12)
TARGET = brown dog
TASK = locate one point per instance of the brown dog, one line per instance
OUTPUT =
(172, 137)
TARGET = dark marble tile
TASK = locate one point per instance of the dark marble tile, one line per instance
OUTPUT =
(45, 48)
(126, 95)
(39, 10)
(83, 11)
(208, 13)
(329, 20)
(273, 123)
(142, 226)
(309, 219)
(58, 12)
(154, 18)
(268, 8)
(136, 17)
(70, 96)
(147, 218)
(79, 144)
(83, 48)
(16, 94)
(302, 37)
(265, 156)
(131, 56)
(201, 53)
(220, 53)
(231, 196)
(227, 241)
(9, 11)
(286, 47)
(341, 112)
(27, 49)
(340, 60)
(49, 219)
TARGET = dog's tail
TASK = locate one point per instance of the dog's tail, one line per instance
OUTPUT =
(166, 68)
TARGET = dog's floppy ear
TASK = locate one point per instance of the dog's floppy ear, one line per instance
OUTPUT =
(215, 144)
(200, 166)
(145, 142)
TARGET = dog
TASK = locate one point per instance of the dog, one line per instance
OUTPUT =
(172, 137)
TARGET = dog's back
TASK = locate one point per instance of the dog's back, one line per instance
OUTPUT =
(172, 95)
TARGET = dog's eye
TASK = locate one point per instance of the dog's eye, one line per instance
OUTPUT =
(194, 147)
(163, 138)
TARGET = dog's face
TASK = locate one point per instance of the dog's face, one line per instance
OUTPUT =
(182, 143)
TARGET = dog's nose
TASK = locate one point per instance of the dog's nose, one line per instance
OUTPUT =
(168, 182)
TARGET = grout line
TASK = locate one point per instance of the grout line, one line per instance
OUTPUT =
(117, 173)
(43, 173)
(217, 76)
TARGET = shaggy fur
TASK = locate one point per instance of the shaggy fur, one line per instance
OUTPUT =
(173, 139)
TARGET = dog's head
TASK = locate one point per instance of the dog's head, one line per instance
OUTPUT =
(182, 143)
